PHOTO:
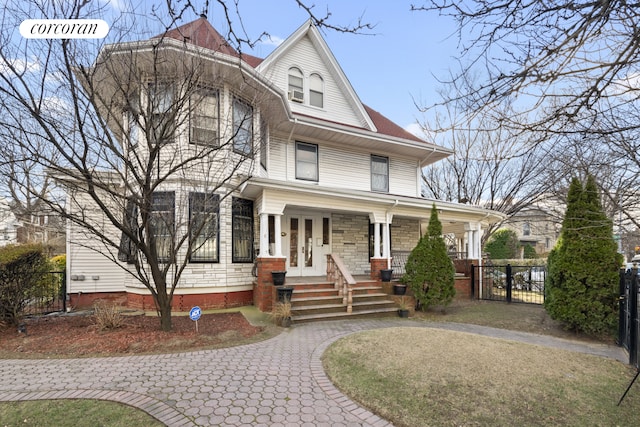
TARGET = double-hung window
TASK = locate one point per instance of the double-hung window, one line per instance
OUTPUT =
(162, 113)
(242, 230)
(316, 90)
(264, 137)
(296, 85)
(204, 226)
(380, 174)
(306, 161)
(132, 116)
(242, 128)
(204, 117)
(162, 224)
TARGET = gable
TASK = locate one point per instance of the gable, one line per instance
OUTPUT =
(308, 52)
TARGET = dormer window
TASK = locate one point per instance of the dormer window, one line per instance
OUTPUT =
(296, 85)
(316, 90)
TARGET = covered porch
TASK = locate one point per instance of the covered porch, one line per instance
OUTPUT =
(300, 225)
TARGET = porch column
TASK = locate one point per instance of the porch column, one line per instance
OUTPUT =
(278, 235)
(264, 235)
(386, 247)
(479, 238)
(473, 239)
(376, 240)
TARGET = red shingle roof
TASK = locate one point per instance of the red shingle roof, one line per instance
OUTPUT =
(201, 33)
(387, 127)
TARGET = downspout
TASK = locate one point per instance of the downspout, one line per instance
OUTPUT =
(388, 242)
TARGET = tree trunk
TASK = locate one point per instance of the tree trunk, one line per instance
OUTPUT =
(164, 308)
(165, 317)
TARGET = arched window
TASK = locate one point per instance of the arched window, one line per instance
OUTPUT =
(316, 90)
(296, 86)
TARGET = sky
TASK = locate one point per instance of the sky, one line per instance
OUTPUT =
(391, 69)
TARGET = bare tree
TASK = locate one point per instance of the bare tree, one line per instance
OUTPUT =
(573, 66)
(491, 166)
(122, 124)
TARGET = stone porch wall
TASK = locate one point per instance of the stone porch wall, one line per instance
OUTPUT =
(350, 240)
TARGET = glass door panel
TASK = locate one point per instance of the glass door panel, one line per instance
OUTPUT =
(293, 243)
(308, 243)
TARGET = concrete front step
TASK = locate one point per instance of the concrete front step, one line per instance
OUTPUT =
(386, 312)
(307, 299)
(319, 300)
(357, 306)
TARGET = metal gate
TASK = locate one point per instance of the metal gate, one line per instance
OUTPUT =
(511, 283)
(50, 296)
(629, 320)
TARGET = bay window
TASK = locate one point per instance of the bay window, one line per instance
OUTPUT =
(204, 226)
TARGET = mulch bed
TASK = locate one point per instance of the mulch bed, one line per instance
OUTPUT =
(78, 335)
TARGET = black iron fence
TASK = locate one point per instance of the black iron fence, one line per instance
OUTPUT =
(510, 283)
(629, 321)
(50, 295)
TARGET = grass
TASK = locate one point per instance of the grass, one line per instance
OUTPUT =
(428, 377)
(72, 413)
(517, 317)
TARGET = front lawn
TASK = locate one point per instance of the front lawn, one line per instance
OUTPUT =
(428, 377)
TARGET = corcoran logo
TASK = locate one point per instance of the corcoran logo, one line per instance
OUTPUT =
(64, 29)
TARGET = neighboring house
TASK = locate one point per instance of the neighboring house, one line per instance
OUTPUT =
(9, 224)
(42, 226)
(333, 176)
(538, 225)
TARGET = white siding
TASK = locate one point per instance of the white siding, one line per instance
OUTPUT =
(403, 176)
(304, 56)
(341, 167)
(8, 225)
(92, 260)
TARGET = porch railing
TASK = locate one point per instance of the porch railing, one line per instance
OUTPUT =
(338, 273)
(398, 263)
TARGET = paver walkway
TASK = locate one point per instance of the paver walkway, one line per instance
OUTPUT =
(275, 382)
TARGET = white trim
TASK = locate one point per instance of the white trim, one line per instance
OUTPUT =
(308, 29)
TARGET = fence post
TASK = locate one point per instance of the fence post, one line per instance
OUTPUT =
(64, 294)
(509, 282)
(473, 282)
(633, 321)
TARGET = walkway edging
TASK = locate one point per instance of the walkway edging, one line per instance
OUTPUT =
(154, 407)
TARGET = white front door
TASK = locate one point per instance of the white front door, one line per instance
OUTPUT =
(304, 245)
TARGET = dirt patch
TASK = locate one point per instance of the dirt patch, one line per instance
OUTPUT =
(78, 336)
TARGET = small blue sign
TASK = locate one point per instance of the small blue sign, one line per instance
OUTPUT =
(195, 313)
